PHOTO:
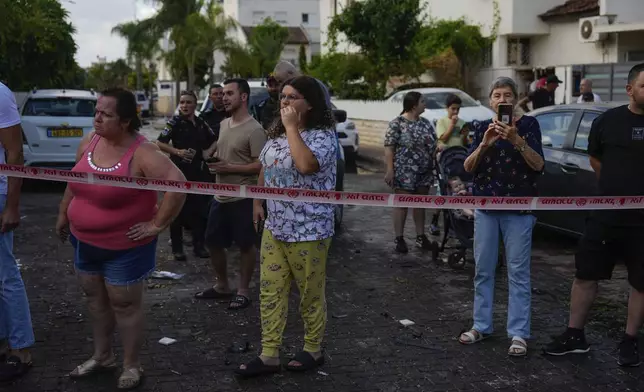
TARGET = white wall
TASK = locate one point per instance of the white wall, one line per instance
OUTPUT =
(630, 41)
(518, 17)
(562, 47)
(326, 8)
(627, 11)
(289, 11)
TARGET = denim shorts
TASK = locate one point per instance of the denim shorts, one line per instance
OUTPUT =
(118, 267)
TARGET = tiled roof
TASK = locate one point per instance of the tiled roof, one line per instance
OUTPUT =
(573, 7)
(296, 35)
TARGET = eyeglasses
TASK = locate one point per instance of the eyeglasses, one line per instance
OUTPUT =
(289, 98)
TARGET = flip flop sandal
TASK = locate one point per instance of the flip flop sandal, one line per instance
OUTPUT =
(256, 368)
(472, 336)
(307, 362)
(241, 301)
(130, 379)
(212, 293)
(519, 347)
(92, 366)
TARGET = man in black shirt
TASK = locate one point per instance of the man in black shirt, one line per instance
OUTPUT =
(214, 115)
(266, 109)
(542, 97)
(616, 149)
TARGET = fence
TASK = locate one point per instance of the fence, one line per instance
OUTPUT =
(369, 110)
(608, 80)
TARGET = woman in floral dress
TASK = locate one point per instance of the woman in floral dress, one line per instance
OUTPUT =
(409, 147)
(300, 153)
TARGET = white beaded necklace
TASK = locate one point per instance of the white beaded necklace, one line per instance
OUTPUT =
(101, 169)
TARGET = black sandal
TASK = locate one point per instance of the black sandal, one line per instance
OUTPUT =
(241, 301)
(307, 362)
(256, 368)
(211, 293)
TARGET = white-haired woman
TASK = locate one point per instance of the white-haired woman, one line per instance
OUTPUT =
(506, 160)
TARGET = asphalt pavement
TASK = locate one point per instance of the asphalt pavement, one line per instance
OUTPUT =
(370, 288)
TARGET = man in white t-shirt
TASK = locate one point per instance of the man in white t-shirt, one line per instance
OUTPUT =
(586, 86)
(16, 332)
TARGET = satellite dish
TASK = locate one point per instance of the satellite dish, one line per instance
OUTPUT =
(586, 29)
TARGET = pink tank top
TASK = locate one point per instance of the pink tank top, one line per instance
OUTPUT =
(102, 215)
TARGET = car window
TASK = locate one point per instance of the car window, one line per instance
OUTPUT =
(437, 100)
(398, 97)
(581, 139)
(554, 127)
(60, 107)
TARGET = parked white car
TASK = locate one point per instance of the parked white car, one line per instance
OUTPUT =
(347, 135)
(143, 103)
(53, 123)
(435, 97)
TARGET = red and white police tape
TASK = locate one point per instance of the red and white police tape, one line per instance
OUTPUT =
(331, 197)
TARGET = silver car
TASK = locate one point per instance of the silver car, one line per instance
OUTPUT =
(53, 123)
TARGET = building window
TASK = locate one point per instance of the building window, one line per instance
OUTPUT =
(635, 56)
(281, 17)
(486, 57)
(518, 51)
(258, 17)
(305, 18)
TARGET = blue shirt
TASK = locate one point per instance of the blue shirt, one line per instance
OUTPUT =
(502, 171)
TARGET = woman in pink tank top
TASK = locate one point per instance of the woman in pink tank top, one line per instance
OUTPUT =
(114, 230)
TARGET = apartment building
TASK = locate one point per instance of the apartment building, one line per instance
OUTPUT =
(534, 36)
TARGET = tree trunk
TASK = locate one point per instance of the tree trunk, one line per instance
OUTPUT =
(139, 74)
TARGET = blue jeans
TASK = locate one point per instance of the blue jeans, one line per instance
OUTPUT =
(15, 320)
(516, 230)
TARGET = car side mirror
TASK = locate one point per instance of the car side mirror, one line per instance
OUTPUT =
(340, 115)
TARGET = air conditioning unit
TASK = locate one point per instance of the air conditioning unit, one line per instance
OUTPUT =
(588, 29)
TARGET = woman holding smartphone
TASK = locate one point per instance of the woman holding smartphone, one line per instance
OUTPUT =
(189, 136)
(506, 160)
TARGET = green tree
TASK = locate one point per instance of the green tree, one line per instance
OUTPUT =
(239, 63)
(303, 62)
(344, 73)
(385, 31)
(106, 75)
(142, 47)
(267, 42)
(148, 78)
(37, 47)
(465, 40)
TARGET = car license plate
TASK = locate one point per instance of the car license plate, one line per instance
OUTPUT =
(65, 132)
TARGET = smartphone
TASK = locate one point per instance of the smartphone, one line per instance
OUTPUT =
(505, 112)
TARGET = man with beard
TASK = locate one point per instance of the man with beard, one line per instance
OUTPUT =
(236, 161)
(214, 115)
(616, 149)
(267, 108)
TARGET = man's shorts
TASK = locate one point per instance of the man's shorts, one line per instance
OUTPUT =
(602, 246)
(230, 223)
(117, 267)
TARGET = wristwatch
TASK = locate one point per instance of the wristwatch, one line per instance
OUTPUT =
(523, 146)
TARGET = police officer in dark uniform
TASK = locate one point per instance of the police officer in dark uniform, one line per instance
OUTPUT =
(215, 113)
(190, 136)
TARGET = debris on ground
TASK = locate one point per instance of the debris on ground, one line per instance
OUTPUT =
(167, 341)
(166, 275)
(406, 323)
(237, 348)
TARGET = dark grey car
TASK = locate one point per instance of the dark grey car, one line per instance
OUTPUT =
(567, 171)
